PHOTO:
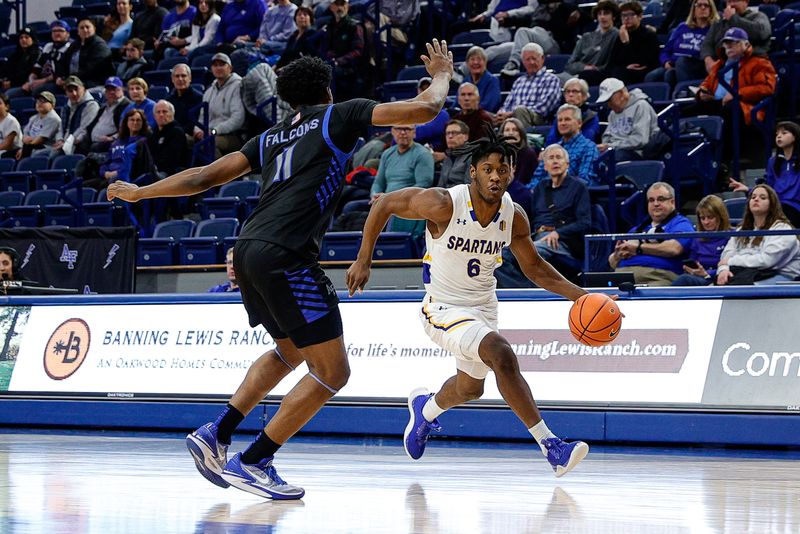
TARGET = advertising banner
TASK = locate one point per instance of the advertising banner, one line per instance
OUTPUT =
(135, 350)
(89, 260)
(755, 361)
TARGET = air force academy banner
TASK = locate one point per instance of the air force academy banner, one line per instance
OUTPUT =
(90, 260)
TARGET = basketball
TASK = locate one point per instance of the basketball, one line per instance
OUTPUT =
(595, 319)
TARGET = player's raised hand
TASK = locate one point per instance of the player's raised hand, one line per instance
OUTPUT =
(123, 191)
(357, 276)
(439, 59)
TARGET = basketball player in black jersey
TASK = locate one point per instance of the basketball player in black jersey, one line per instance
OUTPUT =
(302, 162)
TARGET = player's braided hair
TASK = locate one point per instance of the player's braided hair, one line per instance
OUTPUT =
(304, 82)
(491, 143)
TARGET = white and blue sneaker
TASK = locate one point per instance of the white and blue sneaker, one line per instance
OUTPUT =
(210, 456)
(564, 456)
(418, 428)
(259, 479)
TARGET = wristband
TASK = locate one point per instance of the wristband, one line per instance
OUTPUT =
(725, 267)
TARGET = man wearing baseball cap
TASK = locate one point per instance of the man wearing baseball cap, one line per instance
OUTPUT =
(103, 130)
(225, 107)
(42, 75)
(40, 132)
(757, 80)
(76, 116)
(632, 129)
(737, 14)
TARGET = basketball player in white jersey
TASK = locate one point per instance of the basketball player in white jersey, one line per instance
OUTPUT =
(467, 228)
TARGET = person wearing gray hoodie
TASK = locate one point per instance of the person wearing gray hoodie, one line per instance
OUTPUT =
(632, 129)
(225, 107)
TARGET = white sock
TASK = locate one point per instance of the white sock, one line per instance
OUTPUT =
(540, 432)
(431, 410)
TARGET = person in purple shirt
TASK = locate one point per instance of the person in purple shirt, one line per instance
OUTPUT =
(487, 83)
(240, 21)
(783, 171)
(700, 269)
(680, 57)
(175, 28)
(230, 286)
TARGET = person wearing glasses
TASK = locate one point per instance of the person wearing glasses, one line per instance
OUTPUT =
(230, 286)
(454, 163)
(736, 14)
(655, 262)
(576, 93)
(592, 52)
(134, 64)
(680, 57)
(636, 49)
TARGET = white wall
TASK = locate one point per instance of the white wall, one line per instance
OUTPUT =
(42, 10)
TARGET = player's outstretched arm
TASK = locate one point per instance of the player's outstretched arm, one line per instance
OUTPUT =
(188, 182)
(426, 105)
(539, 271)
(434, 205)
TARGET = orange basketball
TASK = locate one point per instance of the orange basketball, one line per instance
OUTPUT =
(595, 319)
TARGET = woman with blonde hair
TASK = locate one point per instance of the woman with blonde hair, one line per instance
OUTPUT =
(680, 57)
(700, 268)
(761, 259)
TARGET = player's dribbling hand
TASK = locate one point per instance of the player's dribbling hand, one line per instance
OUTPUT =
(357, 277)
(123, 191)
(439, 59)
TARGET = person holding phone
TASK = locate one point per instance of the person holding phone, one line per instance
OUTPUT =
(700, 268)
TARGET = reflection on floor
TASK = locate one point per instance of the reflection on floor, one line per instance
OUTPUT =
(52, 483)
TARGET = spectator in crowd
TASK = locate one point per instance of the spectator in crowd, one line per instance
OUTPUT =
(757, 80)
(147, 23)
(230, 286)
(133, 134)
(76, 116)
(431, 134)
(700, 268)
(737, 14)
(502, 15)
(175, 29)
(527, 157)
(134, 63)
(104, 129)
(680, 58)
(42, 75)
(277, 26)
(561, 216)
(9, 264)
(592, 52)
(167, 143)
(404, 164)
(576, 92)
(305, 41)
(488, 85)
(137, 92)
(676, 12)
(783, 171)
(240, 21)
(88, 58)
(655, 262)
(10, 131)
(454, 165)
(582, 152)
(15, 71)
(204, 30)
(632, 129)
(478, 120)
(225, 107)
(184, 97)
(636, 49)
(534, 95)
(343, 44)
(39, 134)
(258, 86)
(761, 259)
(117, 25)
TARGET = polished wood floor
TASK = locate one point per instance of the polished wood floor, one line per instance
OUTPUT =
(52, 483)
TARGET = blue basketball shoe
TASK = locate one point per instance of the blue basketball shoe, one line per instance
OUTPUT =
(564, 456)
(210, 456)
(259, 479)
(418, 428)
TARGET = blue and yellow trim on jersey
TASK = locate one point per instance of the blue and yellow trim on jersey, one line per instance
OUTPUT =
(475, 217)
(447, 327)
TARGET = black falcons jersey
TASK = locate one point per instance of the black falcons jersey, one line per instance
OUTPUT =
(302, 162)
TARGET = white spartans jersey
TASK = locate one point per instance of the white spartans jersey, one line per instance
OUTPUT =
(459, 265)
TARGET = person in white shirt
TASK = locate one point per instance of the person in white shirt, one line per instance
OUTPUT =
(10, 131)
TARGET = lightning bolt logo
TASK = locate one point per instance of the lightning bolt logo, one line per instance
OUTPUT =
(111, 254)
(28, 254)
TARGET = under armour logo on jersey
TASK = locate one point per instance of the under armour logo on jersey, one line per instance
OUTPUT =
(461, 221)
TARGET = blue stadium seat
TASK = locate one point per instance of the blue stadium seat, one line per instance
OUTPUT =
(657, 91)
(99, 213)
(200, 61)
(7, 164)
(412, 73)
(33, 164)
(401, 90)
(641, 173)
(241, 189)
(169, 62)
(473, 37)
(340, 246)
(8, 199)
(459, 51)
(50, 179)
(158, 92)
(205, 245)
(395, 246)
(160, 249)
(67, 162)
(682, 88)
(29, 214)
(736, 207)
(220, 207)
(64, 212)
(556, 62)
(16, 181)
(19, 103)
(157, 77)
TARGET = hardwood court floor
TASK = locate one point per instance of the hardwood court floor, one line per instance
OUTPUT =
(53, 483)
